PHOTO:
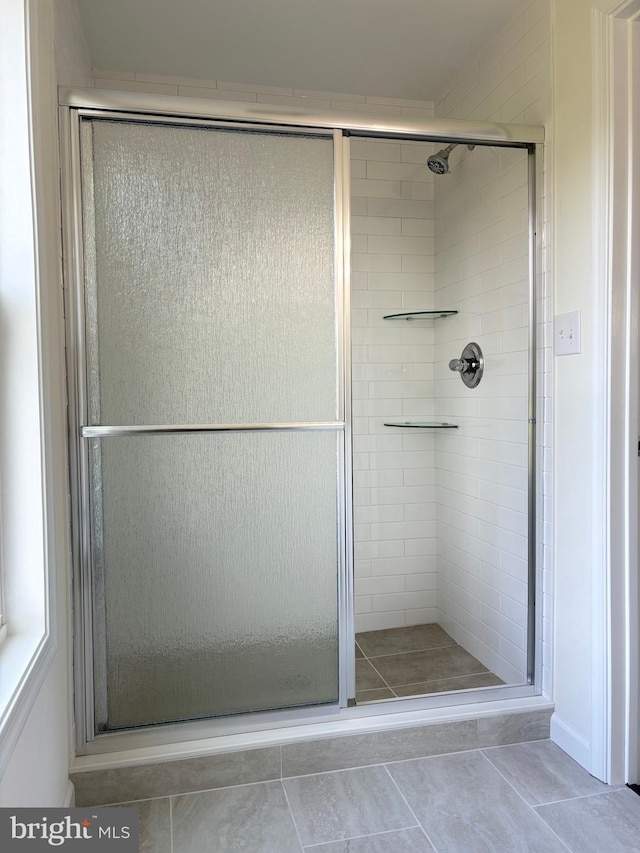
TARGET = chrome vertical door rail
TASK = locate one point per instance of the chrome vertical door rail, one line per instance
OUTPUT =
(532, 533)
(82, 617)
(343, 261)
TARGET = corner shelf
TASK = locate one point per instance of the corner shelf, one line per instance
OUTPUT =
(419, 315)
(422, 425)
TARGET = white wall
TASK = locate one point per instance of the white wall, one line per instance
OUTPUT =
(73, 66)
(481, 252)
(580, 693)
(37, 770)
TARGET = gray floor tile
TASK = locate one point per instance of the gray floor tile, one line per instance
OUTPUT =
(413, 638)
(366, 676)
(462, 682)
(154, 823)
(334, 806)
(601, 823)
(317, 756)
(514, 728)
(464, 804)
(359, 653)
(404, 841)
(415, 667)
(542, 773)
(123, 784)
(247, 819)
(374, 695)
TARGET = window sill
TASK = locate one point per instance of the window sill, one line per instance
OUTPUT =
(24, 662)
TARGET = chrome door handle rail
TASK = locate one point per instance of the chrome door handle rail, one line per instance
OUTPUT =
(186, 429)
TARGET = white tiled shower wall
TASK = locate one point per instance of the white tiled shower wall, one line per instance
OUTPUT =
(480, 268)
(392, 260)
(395, 242)
(481, 469)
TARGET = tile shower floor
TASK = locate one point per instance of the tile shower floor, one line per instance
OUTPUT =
(413, 661)
(529, 797)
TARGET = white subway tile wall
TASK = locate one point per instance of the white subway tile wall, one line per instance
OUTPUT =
(394, 484)
(480, 258)
(481, 469)
(190, 87)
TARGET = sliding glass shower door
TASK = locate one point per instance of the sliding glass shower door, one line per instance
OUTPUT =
(213, 422)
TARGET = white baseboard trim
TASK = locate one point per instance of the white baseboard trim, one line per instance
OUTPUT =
(571, 742)
(70, 796)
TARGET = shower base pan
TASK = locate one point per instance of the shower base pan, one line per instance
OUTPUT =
(415, 661)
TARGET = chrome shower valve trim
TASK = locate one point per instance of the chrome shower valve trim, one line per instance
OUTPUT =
(470, 365)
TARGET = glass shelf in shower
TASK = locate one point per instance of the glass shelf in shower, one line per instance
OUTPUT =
(422, 425)
(419, 315)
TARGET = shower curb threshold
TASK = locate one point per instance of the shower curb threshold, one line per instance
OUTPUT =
(139, 754)
(148, 773)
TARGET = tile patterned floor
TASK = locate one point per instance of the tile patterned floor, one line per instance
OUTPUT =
(413, 661)
(528, 797)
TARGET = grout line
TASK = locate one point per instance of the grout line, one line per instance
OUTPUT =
(335, 770)
(384, 763)
(384, 679)
(413, 651)
(293, 817)
(356, 837)
(518, 743)
(184, 793)
(528, 805)
(409, 807)
(451, 678)
(580, 797)
(171, 822)
(127, 802)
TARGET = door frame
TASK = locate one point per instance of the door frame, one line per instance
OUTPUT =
(616, 605)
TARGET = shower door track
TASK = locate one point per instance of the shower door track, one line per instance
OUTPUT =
(77, 103)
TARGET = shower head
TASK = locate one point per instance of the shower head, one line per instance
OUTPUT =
(439, 162)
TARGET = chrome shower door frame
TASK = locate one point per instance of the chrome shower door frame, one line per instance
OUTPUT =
(77, 103)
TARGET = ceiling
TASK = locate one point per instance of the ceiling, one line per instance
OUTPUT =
(393, 48)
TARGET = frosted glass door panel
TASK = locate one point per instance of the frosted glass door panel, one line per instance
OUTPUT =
(210, 275)
(215, 574)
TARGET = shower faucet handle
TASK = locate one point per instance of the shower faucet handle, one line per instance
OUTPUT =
(464, 365)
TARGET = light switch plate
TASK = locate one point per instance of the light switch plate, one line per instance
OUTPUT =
(566, 333)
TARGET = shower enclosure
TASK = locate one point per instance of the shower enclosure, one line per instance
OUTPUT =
(270, 455)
